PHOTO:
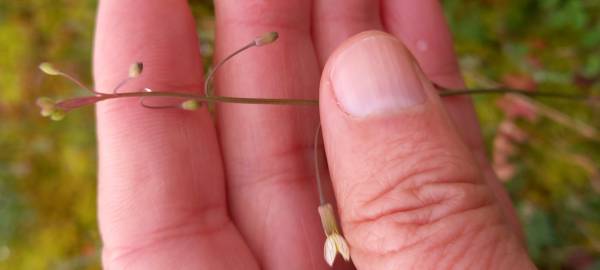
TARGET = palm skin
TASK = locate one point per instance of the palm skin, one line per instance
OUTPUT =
(179, 191)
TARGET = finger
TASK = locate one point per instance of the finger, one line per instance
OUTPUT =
(336, 20)
(161, 188)
(422, 27)
(408, 189)
(267, 149)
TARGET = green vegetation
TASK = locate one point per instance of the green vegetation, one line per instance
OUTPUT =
(550, 159)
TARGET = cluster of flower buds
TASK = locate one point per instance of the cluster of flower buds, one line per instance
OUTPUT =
(49, 109)
(56, 110)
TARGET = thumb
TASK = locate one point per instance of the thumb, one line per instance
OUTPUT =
(409, 192)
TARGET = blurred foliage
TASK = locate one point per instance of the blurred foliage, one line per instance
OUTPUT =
(551, 45)
(47, 169)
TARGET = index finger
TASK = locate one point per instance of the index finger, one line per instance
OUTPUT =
(161, 189)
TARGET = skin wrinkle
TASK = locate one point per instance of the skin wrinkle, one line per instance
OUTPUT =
(305, 242)
(412, 230)
(266, 220)
(289, 160)
(170, 233)
(357, 18)
(460, 256)
(409, 175)
(409, 232)
(491, 255)
(444, 202)
(202, 219)
(466, 234)
(286, 187)
(470, 233)
(301, 148)
(414, 173)
(448, 251)
(285, 175)
(270, 17)
(486, 256)
(143, 254)
(427, 260)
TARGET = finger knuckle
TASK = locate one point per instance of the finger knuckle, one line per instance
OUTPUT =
(410, 192)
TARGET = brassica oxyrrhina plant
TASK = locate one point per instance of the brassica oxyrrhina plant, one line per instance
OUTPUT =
(335, 242)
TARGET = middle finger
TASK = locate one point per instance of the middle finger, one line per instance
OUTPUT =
(267, 149)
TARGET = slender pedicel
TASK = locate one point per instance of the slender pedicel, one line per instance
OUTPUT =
(135, 70)
(52, 71)
(334, 241)
(265, 39)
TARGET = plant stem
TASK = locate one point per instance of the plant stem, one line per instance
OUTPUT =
(308, 102)
(501, 90)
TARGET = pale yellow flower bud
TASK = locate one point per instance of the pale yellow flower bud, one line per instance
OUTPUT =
(330, 251)
(57, 115)
(49, 69)
(190, 105)
(335, 242)
(266, 39)
(136, 69)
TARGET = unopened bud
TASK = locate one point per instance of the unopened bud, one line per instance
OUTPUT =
(334, 242)
(49, 69)
(136, 69)
(266, 39)
(190, 105)
(328, 219)
(46, 112)
(57, 115)
(45, 102)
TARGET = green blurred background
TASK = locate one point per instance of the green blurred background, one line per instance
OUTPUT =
(547, 152)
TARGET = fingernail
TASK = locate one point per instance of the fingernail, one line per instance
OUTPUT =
(375, 75)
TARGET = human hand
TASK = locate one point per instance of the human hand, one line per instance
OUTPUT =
(409, 173)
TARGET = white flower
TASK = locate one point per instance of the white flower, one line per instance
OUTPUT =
(335, 242)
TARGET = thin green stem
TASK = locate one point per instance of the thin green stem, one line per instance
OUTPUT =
(76, 81)
(501, 90)
(318, 166)
(211, 73)
(224, 99)
(312, 102)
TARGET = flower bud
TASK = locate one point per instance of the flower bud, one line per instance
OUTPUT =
(335, 242)
(266, 39)
(136, 69)
(57, 114)
(190, 105)
(45, 102)
(49, 69)
(46, 112)
(328, 219)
